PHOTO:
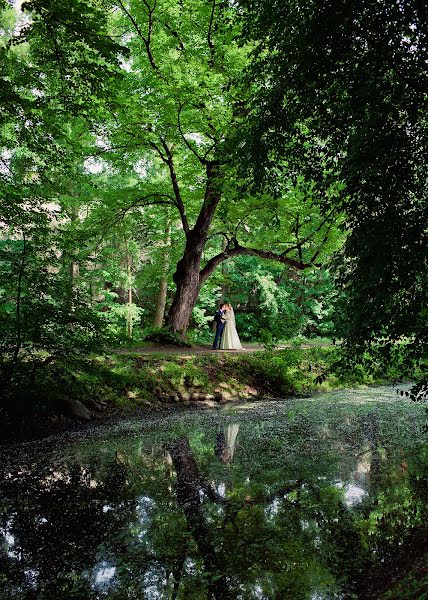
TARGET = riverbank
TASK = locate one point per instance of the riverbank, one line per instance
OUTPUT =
(99, 387)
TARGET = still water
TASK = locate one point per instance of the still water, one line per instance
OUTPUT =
(302, 499)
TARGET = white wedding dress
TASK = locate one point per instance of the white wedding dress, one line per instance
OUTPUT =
(230, 338)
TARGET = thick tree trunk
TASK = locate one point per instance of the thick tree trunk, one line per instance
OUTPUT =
(163, 285)
(187, 275)
(224, 286)
(187, 280)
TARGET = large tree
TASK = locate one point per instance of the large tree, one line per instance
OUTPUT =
(175, 113)
(179, 104)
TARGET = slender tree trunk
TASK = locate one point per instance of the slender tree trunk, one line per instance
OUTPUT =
(161, 301)
(74, 273)
(74, 265)
(163, 285)
(129, 323)
(18, 326)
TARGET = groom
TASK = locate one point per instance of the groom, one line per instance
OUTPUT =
(218, 318)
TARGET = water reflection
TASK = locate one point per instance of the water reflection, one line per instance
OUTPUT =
(281, 503)
(103, 573)
(226, 443)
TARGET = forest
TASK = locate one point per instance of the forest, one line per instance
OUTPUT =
(159, 158)
(175, 170)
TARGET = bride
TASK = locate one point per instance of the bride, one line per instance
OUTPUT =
(230, 338)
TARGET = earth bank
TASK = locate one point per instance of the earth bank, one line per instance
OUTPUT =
(63, 395)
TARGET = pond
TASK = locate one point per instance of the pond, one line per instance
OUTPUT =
(300, 499)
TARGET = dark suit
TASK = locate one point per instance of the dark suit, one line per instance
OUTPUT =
(219, 330)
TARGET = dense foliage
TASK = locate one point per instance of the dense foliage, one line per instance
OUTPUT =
(43, 315)
(339, 91)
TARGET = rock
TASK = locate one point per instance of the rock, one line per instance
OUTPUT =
(75, 408)
(93, 404)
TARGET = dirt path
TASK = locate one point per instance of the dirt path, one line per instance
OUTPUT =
(207, 349)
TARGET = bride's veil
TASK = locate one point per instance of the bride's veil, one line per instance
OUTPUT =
(232, 315)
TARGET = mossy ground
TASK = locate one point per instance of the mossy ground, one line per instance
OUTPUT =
(134, 379)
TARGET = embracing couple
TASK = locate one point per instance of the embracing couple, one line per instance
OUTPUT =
(226, 336)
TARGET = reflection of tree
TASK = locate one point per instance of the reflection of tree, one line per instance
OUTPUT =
(191, 487)
(370, 424)
(283, 530)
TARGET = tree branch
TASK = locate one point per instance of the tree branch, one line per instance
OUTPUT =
(113, 148)
(238, 250)
(201, 159)
(209, 39)
(298, 246)
(142, 202)
(224, 234)
(318, 252)
(210, 149)
(146, 40)
(159, 151)
(175, 35)
(178, 199)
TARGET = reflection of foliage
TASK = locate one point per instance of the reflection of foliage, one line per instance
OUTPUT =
(60, 530)
(276, 516)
